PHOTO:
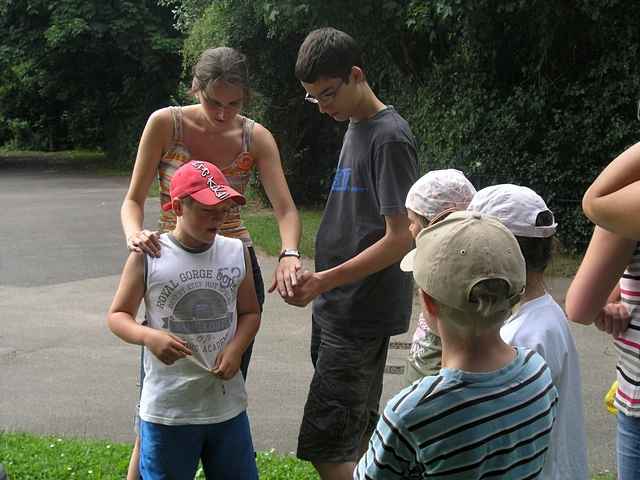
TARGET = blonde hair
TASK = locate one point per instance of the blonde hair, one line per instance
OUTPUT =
(494, 303)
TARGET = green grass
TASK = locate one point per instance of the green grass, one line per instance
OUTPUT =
(29, 456)
(75, 157)
(264, 232)
(33, 457)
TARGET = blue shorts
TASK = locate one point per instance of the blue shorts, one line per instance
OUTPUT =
(173, 451)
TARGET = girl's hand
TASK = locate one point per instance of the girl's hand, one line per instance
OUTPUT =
(145, 241)
(285, 278)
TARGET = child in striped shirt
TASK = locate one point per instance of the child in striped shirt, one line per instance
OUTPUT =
(490, 410)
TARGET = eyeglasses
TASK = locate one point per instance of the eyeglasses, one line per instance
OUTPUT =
(326, 97)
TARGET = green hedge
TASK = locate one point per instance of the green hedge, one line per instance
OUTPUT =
(532, 92)
(528, 91)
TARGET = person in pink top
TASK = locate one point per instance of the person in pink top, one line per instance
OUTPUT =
(214, 130)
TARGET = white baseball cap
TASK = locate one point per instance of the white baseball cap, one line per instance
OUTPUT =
(440, 190)
(516, 207)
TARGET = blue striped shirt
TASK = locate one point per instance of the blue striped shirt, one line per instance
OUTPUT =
(461, 425)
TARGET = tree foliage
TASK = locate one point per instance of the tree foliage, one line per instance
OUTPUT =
(83, 73)
(531, 92)
(526, 91)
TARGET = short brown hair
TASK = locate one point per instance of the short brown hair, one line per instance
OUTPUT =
(327, 52)
(537, 252)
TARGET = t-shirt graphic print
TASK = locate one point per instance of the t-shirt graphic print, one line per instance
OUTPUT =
(201, 318)
(193, 296)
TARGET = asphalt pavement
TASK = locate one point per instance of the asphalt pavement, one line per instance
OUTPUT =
(63, 373)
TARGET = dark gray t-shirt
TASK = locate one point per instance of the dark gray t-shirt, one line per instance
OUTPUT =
(377, 166)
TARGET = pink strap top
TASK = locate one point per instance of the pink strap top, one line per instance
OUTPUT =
(238, 174)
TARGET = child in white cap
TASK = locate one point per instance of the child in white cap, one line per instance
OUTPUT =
(431, 198)
(489, 411)
(540, 324)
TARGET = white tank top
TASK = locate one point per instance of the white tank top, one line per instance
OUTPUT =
(193, 296)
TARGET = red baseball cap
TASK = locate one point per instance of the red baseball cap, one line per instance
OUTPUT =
(204, 182)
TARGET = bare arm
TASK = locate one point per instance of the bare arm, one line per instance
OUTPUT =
(275, 186)
(395, 243)
(604, 262)
(228, 361)
(121, 317)
(123, 310)
(612, 200)
(152, 145)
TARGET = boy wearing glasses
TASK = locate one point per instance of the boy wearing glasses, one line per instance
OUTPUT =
(360, 295)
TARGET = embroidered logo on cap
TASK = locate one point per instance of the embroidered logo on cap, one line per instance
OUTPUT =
(218, 190)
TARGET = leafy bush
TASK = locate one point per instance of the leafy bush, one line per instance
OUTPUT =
(78, 73)
(537, 93)
(533, 92)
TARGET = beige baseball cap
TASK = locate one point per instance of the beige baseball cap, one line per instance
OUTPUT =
(440, 190)
(454, 255)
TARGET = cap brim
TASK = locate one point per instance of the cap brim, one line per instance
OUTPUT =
(406, 265)
(207, 197)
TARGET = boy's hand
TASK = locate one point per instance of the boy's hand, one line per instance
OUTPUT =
(310, 285)
(613, 319)
(227, 363)
(166, 347)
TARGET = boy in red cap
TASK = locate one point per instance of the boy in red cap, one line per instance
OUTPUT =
(202, 313)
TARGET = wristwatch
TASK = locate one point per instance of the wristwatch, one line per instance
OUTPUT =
(289, 252)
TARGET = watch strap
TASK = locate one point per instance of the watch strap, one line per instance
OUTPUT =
(289, 252)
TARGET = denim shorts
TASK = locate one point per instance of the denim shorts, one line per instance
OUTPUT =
(172, 452)
(628, 447)
(341, 411)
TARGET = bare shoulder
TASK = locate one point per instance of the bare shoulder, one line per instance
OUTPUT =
(260, 131)
(262, 140)
(190, 111)
(161, 115)
(161, 120)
